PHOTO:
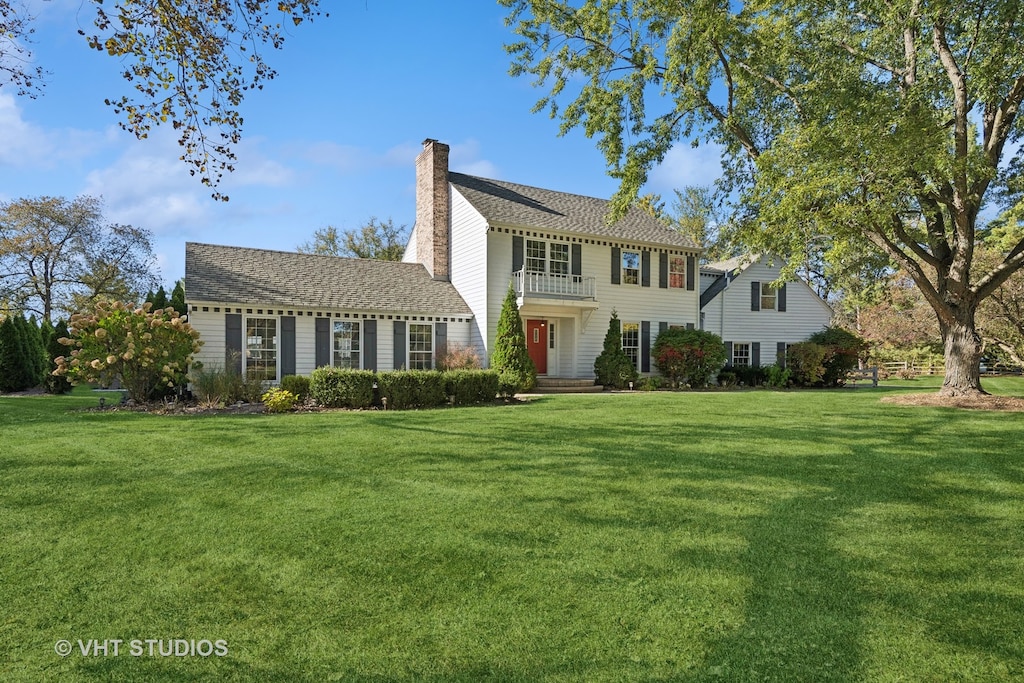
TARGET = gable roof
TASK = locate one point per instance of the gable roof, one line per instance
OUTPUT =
(732, 265)
(532, 207)
(281, 278)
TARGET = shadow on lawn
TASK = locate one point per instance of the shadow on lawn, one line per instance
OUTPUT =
(906, 520)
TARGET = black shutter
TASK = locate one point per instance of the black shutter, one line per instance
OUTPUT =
(755, 354)
(233, 342)
(645, 268)
(577, 259)
(662, 327)
(755, 296)
(369, 345)
(691, 273)
(663, 270)
(728, 353)
(781, 305)
(517, 253)
(616, 266)
(322, 336)
(399, 352)
(780, 354)
(287, 345)
(645, 346)
(440, 340)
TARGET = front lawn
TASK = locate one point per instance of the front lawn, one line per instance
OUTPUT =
(790, 536)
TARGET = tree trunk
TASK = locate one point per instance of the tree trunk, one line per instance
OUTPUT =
(963, 348)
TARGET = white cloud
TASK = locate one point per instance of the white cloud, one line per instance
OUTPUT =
(685, 165)
(150, 187)
(29, 146)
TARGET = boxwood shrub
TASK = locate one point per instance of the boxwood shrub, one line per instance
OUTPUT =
(297, 384)
(412, 389)
(340, 388)
(471, 386)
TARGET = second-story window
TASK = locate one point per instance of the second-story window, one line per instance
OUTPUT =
(630, 268)
(677, 272)
(536, 256)
(559, 264)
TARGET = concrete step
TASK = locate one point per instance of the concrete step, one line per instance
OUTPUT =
(564, 385)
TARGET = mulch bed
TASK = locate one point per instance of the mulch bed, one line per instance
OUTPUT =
(982, 402)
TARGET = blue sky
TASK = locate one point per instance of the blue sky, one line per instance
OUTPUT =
(331, 141)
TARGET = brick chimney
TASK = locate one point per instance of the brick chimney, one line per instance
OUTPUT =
(433, 209)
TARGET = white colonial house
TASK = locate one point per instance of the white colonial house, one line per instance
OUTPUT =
(285, 313)
(757, 320)
(569, 267)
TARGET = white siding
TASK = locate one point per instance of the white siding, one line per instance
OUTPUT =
(729, 316)
(210, 324)
(581, 334)
(469, 267)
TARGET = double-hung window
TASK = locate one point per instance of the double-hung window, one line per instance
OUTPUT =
(677, 272)
(767, 297)
(346, 345)
(421, 346)
(631, 342)
(261, 348)
(741, 355)
(536, 256)
(630, 268)
(559, 263)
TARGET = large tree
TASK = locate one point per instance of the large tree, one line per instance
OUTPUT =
(62, 255)
(189, 63)
(843, 123)
(381, 240)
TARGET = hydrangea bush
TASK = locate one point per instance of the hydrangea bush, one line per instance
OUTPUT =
(146, 350)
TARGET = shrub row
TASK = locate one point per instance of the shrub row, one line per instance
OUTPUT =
(402, 389)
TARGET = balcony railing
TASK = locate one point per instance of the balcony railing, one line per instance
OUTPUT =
(561, 286)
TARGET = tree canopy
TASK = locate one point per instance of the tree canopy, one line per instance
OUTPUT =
(843, 124)
(376, 239)
(189, 63)
(57, 254)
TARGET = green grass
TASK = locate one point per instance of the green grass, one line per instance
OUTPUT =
(748, 536)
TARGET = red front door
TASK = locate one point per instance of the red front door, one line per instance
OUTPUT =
(537, 344)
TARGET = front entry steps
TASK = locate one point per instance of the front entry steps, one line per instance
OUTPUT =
(562, 385)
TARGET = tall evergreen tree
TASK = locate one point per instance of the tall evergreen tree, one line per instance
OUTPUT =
(158, 298)
(13, 374)
(614, 368)
(36, 352)
(510, 358)
(178, 298)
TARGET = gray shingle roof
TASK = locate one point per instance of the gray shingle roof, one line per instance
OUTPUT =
(261, 276)
(533, 207)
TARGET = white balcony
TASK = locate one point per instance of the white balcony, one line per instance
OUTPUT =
(529, 285)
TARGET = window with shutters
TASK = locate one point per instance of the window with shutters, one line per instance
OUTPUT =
(261, 348)
(550, 258)
(741, 355)
(630, 268)
(421, 346)
(559, 264)
(677, 272)
(767, 297)
(631, 342)
(536, 256)
(346, 345)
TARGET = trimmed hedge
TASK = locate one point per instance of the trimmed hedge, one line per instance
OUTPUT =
(340, 388)
(401, 389)
(472, 386)
(412, 389)
(297, 384)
